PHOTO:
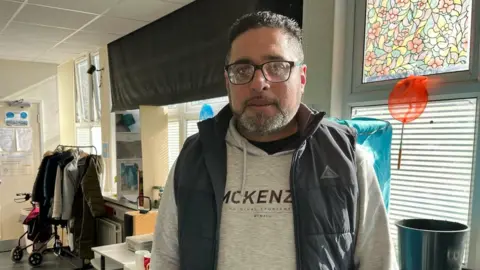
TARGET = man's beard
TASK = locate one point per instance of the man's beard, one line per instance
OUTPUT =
(261, 124)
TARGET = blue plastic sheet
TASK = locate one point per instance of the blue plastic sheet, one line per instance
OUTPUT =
(376, 136)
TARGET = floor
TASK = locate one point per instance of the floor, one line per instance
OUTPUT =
(50, 261)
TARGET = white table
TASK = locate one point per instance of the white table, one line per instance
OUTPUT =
(118, 255)
(130, 266)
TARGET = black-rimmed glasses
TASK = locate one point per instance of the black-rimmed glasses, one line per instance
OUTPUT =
(273, 71)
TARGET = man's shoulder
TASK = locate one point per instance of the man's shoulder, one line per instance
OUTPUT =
(334, 137)
(334, 126)
(338, 134)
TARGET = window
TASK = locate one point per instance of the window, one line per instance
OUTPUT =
(83, 92)
(421, 37)
(195, 106)
(87, 103)
(416, 37)
(89, 135)
(173, 142)
(390, 40)
(192, 127)
(435, 178)
(97, 83)
(87, 90)
(183, 119)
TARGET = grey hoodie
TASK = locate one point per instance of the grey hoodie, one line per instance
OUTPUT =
(256, 230)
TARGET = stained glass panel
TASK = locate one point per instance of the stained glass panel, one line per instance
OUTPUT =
(418, 37)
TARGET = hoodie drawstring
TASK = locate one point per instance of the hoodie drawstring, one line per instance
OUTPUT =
(244, 176)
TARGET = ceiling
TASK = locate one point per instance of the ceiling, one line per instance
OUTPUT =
(54, 31)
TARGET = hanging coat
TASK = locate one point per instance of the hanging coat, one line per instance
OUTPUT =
(88, 204)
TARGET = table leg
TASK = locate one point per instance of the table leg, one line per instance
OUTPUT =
(102, 262)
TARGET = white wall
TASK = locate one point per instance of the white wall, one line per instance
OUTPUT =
(33, 81)
(18, 75)
(66, 102)
(324, 33)
(46, 92)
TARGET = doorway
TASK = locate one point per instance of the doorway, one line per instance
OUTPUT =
(20, 153)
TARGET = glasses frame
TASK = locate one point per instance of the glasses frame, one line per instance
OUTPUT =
(260, 67)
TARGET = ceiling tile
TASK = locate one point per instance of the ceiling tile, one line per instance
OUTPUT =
(53, 17)
(48, 61)
(92, 6)
(145, 10)
(55, 56)
(25, 43)
(75, 48)
(113, 25)
(25, 50)
(93, 39)
(20, 52)
(8, 56)
(7, 9)
(35, 32)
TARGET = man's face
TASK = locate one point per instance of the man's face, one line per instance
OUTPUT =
(262, 106)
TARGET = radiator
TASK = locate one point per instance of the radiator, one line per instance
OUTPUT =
(109, 232)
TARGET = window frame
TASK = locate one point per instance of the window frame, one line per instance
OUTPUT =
(78, 61)
(473, 260)
(90, 126)
(451, 79)
(96, 82)
(192, 109)
(184, 112)
(94, 98)
(457, 85)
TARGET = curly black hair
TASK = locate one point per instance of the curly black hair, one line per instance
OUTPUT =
(267, 19)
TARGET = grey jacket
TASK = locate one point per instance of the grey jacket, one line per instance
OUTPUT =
(70, 183)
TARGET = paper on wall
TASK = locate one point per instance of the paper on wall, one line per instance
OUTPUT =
(24, 139)
(7, 137)
(17, 163)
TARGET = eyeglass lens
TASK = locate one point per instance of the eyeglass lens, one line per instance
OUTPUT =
(277, 71)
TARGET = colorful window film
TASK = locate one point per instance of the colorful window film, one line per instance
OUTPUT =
(420, 37)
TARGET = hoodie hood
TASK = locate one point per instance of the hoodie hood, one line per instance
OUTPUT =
(307, 119)
(235, 139)
(308, 122)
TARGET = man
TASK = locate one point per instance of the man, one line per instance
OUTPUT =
(268, 183)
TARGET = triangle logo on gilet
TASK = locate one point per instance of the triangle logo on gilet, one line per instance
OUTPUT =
(328, 173)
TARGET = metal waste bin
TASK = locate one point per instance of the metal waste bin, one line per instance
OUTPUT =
(426, 244)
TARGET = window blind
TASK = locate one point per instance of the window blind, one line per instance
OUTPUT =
(87, 136)
(97, 139)
(435, 179)
(173, 142)
(83, 137)
(192, 127)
